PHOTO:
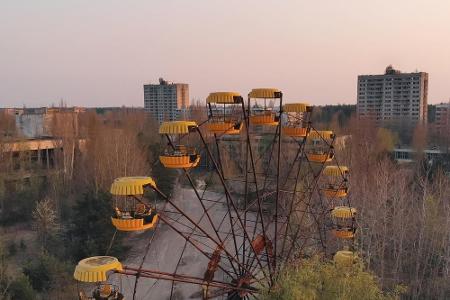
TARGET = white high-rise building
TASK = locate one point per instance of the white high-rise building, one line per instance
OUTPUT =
(166, 101)
(393, 97)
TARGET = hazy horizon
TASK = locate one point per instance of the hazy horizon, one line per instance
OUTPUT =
(100, 53)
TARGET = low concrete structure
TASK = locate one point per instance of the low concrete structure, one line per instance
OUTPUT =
(40, 122)
(407, 155)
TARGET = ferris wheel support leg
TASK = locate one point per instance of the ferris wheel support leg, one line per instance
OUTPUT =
(291, 207)
(190, 241)
(315, 183)
(249, 154)
(259, 202)
(278, 184)
(235, 259)
(188, 176)
(231, 202)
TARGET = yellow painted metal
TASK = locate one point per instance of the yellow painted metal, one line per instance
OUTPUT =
(346, 233)
(296, 107)
(133, 224)
(179, 161)
(324, 134)
(319, 158)
(264, 93)
(128, 186)
(335, 193)
(224, 128)
(266, 119)
(336, 171)
(223, 97)
(176, 127)
(95, 269)
(345, 258)
(343, 212)
(294, 131)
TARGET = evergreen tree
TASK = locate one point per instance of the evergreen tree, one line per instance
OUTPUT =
(91, 230)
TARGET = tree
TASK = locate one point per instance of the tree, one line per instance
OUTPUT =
(403, 217)
(21, 289)
(47, 273)
(386, 140)
(113, 149)
(91, 231)
(45, 220)
(5, 281)
(7, 125)
(20, 203)
(419, 139)
(315, 279)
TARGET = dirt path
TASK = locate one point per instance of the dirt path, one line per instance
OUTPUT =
(165, 251)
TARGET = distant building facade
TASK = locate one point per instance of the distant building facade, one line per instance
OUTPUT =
(166, 101)
(45, 122)
(407, 155)
(44, 140)
(393, 97)
(442, 118)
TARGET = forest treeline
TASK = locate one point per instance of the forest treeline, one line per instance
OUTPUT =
(403, 213)
(68, 211)
(403, 210)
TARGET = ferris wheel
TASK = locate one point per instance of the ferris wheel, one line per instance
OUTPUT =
(261, 188)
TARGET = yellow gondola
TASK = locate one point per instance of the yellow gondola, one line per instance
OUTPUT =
(135, 223)
(344, 221)
(296, 123)
(326, 135)
(295, 131)
(179, 156)
(319, 148)
(264, 118)
(344, 233)
(345, 259)
(343, 212)
(264, 115)
(96, 270)
(180, 160)
(224, 127)
(336, 171)
(337, 181)
(333, 192)
(139, 217)
(224, 118)
(320, 156)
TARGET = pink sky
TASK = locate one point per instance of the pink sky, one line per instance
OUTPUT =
(101, 52)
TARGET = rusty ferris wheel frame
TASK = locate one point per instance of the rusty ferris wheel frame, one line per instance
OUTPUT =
(257, 235)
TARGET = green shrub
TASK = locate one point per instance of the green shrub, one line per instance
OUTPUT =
(21, 289)
(165, 178)
(22, 245)
(315, 279)
(91, 231)
(12, 248)
(19, 205)
(47, 272)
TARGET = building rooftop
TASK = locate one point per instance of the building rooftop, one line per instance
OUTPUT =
(391, 71)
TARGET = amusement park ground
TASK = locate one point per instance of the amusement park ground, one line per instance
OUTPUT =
(164, 254)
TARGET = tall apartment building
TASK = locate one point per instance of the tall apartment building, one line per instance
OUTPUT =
(166, 101)
(442, 118)
(393, 97)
